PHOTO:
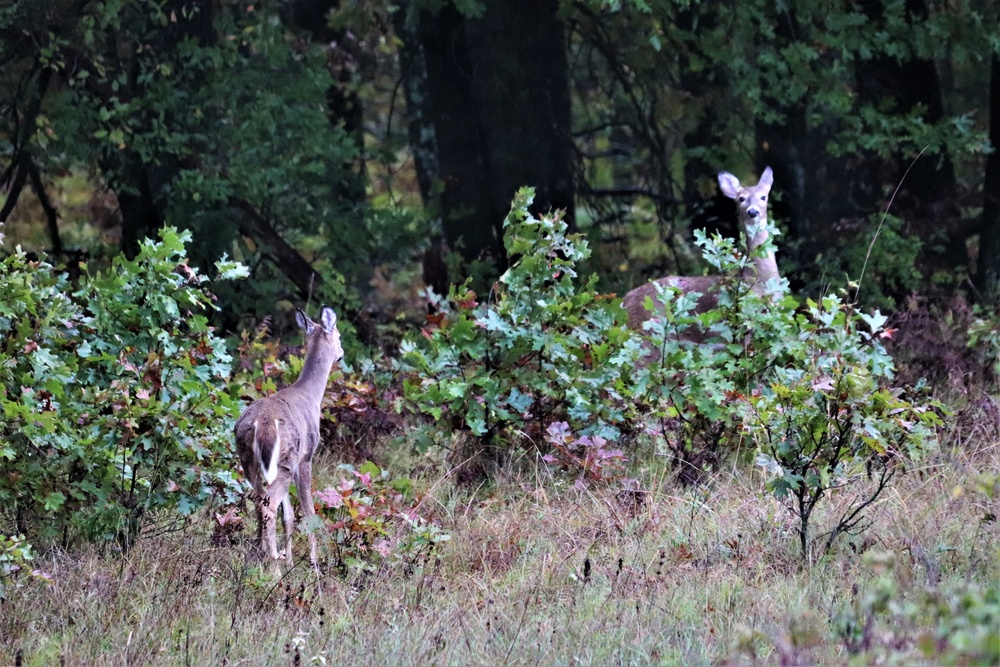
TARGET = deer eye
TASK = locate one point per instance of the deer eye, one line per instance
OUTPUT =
(763, 197)
(742, 199)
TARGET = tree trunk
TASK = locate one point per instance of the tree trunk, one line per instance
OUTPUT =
(989, 241)
(493, 92)
(521, 83)
(141, 203)
(463, 202)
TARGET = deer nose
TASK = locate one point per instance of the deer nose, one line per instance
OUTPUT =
(752, 212)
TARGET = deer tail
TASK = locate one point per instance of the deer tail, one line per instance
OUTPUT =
(267, 443)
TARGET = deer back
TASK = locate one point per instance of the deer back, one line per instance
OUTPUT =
(291, 415)
(634, 302)
(751, 202)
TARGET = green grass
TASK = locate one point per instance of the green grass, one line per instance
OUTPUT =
(537, 572)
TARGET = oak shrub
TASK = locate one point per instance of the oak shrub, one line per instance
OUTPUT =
(113, 391)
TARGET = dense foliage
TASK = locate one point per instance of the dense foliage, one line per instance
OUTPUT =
(540, 353)
(202, 116)
(114, 394)
(547, 364)
(273, 131)
(846, 104)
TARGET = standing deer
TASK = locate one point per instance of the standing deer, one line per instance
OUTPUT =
(752, 203)
(276, 438)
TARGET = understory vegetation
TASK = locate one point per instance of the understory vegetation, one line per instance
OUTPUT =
(528, 482)
(804, 473)
(536, 572)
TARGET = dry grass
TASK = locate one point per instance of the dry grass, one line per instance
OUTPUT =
(535, 573)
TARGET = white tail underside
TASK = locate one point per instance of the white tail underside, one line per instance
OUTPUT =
(271, 471)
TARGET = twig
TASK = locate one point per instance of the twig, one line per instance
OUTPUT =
(878, 230)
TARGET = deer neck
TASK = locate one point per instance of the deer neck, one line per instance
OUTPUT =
(763, 267)
(316, 370)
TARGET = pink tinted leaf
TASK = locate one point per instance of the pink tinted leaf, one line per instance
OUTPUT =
(329, 498)
(383, 548)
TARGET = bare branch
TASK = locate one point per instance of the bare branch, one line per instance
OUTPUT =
(51, 215)
(288, 260)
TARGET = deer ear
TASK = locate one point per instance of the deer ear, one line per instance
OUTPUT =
(329, 319)
(304, 322)
(767, 178)
(729, 184)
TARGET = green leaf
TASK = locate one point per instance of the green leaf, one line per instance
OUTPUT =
(231, 270)
(54, 501)
(519, 402)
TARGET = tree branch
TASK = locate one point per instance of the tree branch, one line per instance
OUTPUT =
(288, 260)
(21, 161)
(852, 517)
(20, 176)
(51, 215)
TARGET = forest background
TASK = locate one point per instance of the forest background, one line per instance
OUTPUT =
(326, 144)
(361, 153)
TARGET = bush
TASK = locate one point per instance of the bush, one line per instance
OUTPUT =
(880, 275)
(541, 351)
(812, 389)
(550, 365)
(701, 365)
(15, 556)
(890, 619)
(947, 625)
(113, 394)
(372, 519)
(829, 419)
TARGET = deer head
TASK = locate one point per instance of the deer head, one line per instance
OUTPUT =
(751, 202)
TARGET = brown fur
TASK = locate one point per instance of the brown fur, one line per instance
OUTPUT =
(752, 205)
(289, 420)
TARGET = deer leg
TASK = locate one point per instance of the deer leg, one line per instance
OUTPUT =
(304, 485)
(289, 516)
(259, 499)
(277, 494)
(268, 517)
(260, 522)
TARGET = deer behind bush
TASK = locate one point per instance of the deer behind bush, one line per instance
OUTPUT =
(277, 436)
(758, 274)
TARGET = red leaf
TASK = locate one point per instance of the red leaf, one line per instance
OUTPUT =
(229, 517)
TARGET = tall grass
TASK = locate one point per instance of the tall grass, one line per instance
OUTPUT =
(539, 572)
